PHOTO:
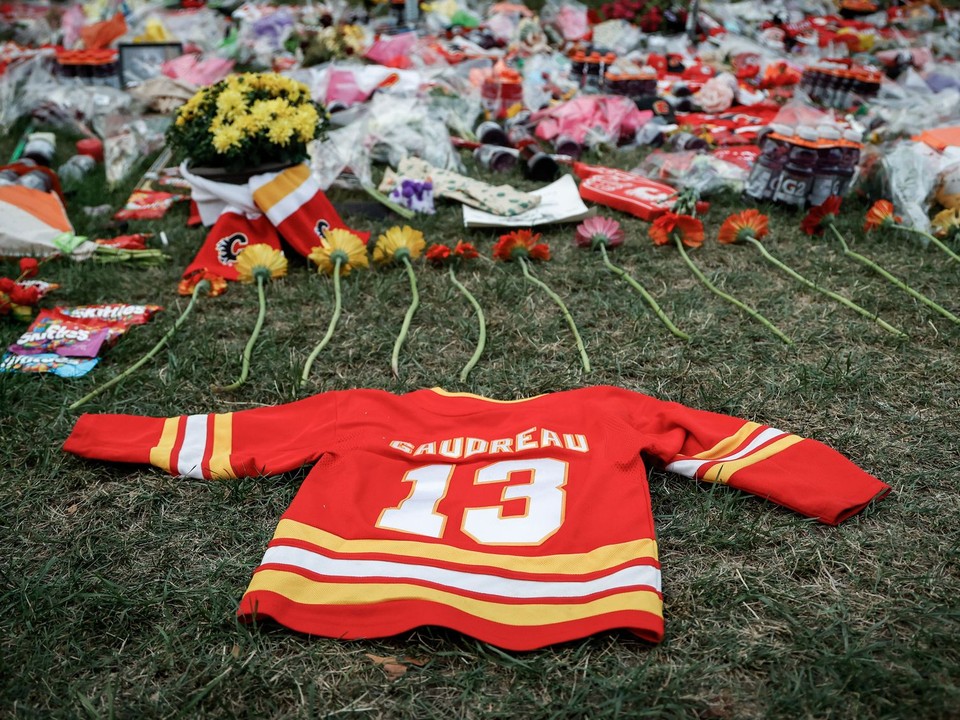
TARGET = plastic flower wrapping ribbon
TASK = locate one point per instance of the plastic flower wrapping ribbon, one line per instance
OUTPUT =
(522, 246)
(600, 233)
(881, 216)
(750, 226)
(687, 231)
(339, 252)
(200, 286)
(401, 245)
(441, 255)
(823, 217)
(257, 263)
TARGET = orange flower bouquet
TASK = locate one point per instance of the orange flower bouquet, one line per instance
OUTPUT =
(523, 246)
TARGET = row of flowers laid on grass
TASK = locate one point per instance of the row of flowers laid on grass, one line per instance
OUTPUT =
(342, 251)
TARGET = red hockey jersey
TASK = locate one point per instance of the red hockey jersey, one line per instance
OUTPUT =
(521, 523)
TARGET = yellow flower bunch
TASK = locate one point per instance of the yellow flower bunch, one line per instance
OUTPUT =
(248, 119)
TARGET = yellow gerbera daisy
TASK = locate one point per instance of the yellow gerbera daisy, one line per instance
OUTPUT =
(398, 243)
(262, 261)
(946, 222)
(343, 245)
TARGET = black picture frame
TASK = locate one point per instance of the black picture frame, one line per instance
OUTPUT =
(142, 61)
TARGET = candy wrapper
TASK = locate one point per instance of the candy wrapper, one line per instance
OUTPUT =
(65, 367)
(120, 316)
(54, 333)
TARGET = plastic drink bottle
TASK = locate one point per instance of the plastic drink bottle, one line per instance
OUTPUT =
(765, 173)
(826, 173)
(797, 175)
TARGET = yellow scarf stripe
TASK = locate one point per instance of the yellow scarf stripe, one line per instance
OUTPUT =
(160, 453)
(728, 445)
(723, 472)
(220, 468)
(305, 591)
(597, 560)
(277, 189)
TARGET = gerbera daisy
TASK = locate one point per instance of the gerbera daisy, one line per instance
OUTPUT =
(256, 263)
(741, 226)
(881, 215)
(750, 226)
(401, 245)
(686, 230)
(218, 285)
(821, 216)
(601, 233)
(440, 255)
(947, 222)
(339, 252)
(523, 246)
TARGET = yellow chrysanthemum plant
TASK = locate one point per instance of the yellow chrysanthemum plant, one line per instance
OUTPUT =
(401, 245)
(340, 252)
(246, 120)
(258, 263)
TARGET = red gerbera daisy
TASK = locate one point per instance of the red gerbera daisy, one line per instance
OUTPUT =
(218, 285)
(881, 215)
(521, 243)
(820, 216)
(465, 250)
(742, 225)
(437, 254)
(670, 225)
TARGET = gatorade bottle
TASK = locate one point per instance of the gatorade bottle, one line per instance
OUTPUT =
(40, 148)
(826, 173)
(496, 158)
(75, 168)
(849, 160)
(797, 175)
(765, 173)
(591, 73)
(490, 133)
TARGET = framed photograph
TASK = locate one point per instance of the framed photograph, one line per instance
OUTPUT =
(142, 61)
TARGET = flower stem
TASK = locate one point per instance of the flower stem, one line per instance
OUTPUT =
(829, 293)
(414, 303)
(896, 281)
(566, 313)
(481, 320)
(729, 298)
(643, 292)
(202, 285)
(932, 238)
(337, 262)
(248, 350)
(400, 210)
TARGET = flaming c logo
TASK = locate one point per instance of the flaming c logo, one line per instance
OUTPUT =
(321, 228)
(230, 246)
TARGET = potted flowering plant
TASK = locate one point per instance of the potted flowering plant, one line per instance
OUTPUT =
(261, 121)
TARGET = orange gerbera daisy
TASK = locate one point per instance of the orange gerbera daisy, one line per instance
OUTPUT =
(218, 285)
(670, 225)
(820, 216)
(742, 225)
(521, 243)
(881, 215)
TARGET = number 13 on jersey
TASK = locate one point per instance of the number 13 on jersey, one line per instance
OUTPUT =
(544, 495)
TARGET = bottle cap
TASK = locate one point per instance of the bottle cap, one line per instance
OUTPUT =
(92, 147)
(807, 133)
(781, 129)
(828, 132)
(852, 135)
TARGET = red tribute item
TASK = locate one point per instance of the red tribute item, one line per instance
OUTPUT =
(521, 523)
(628, 192)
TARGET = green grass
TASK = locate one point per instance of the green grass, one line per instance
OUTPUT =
(118, 584)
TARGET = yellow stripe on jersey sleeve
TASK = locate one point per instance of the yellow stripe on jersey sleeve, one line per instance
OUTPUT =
(160, 453)
(724, 472)
(306, 591)
(220, 468)
(728, 445)
(597, 560)
(277, 189)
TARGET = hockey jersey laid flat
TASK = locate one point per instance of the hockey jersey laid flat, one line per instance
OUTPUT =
(521, 523)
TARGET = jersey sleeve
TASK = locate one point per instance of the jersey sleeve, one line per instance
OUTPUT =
(261, 441)
(798, 473)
